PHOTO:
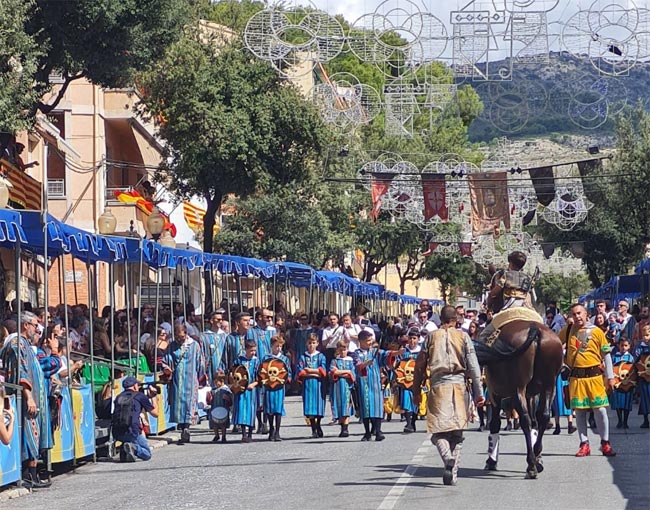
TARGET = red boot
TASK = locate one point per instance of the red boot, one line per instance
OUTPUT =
(607, 449)
(584, 450)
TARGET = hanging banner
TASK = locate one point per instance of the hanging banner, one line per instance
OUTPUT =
(591, 167)
(465, 249)
(435, 196)
(431, 250)
(380, 186)
(490, 205)
(544, 184)
(547, 249)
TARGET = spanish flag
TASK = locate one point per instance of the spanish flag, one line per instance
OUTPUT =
(146, 206)
(194, 217)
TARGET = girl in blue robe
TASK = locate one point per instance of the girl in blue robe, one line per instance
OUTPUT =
(311, 373)
(621, 399)
(274, 399)
(245, 403)
(342, 374)
(369, 361)
(406, 399)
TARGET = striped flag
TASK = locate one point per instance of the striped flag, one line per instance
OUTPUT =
(194, 217)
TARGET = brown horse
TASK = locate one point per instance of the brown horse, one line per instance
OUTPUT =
(522, 366)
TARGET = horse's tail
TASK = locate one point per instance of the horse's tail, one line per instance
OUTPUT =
(502, 351)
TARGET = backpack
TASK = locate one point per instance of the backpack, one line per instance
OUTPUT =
(123, 411)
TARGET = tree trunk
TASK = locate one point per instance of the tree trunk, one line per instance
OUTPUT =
(209, 221)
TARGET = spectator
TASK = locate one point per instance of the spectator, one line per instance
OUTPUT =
(8, 417)
(126, 419)
(22, 166)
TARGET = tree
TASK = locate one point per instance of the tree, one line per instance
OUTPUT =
(452, 272)
(233, 14)
(231, 126)
(563, 289)
(19, 55)
(106, 42)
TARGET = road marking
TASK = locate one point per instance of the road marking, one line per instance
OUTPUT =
(402, 482)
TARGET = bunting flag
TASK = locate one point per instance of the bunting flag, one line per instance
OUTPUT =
(592, 166)
(380, 186)
(146, 206)
(194, 217)
(435, 196)
(465, 249)
(490, 206)
(577, 249)
(431, 250)
(544, 184)
(547, 249)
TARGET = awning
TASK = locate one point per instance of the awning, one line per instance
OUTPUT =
(11, 230)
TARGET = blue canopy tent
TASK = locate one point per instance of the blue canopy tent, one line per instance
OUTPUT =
(11, 230)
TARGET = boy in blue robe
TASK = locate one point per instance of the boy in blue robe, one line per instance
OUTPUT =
(262, 333)
(342, 371)
(274, 398)
(622, 398)
(245, 403)
(311, 373)
(643, 371)
(369, 361)
(406, 400)
(236, 341)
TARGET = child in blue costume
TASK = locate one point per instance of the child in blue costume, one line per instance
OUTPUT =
(274, 398)
(220, 396)
(406, 400)
(622, 398)
(245, 403)
(311, 373)
(369, 361)
(342, 371)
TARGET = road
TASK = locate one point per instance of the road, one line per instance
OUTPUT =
(403, 472)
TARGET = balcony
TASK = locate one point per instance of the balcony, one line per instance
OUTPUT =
(25, 192)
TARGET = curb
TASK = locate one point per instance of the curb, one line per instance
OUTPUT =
(13, 493)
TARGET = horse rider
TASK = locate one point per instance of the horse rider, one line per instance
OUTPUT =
(513, 284)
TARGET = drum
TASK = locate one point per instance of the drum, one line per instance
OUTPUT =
(273, 374)
(239, 379)
(405, 372)
(219, 415)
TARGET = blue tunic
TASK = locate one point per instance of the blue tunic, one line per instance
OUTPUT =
(313, 396)
(299, 342)
(644, 387)
(188, 365)
(274, 399)
(369, 387)
(262, 338)
(622, 400)
(341, 389)
(235, 347)
(245, 403)
(213, 346)
(36, 432)
(406, 400)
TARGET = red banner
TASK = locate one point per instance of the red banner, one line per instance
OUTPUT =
(380, 186)
(465, 249)
(434, 191)
(432, 248)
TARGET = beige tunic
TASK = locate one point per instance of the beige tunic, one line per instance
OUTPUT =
(451, 359)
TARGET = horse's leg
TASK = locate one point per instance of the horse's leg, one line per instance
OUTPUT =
(543, 418)
(521, 406)
(493, 438)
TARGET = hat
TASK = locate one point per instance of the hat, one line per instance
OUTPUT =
(129, 382)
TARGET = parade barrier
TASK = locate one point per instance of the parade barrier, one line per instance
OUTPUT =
(38, 233)
(10, 461)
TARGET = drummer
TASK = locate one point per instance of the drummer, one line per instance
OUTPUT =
(220, 400)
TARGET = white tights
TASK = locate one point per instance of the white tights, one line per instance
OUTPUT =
(602, 423)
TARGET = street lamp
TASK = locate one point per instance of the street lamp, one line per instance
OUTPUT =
(106, 223)
(155, 223)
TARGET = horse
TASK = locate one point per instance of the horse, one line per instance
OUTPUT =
(522, 365)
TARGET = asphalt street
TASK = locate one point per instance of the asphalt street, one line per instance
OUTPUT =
(402, 472)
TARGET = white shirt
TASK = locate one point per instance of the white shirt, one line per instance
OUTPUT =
(331, 336)
(350, 334)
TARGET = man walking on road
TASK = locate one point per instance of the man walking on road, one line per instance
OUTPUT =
(449, 356)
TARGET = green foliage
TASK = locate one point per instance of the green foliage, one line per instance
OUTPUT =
(563, 289)
(19, 54)
(231, 125)
(232, 13)
(618, 226)
(454, 272)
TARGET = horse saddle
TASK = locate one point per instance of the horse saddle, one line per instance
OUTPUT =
(518, 313)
